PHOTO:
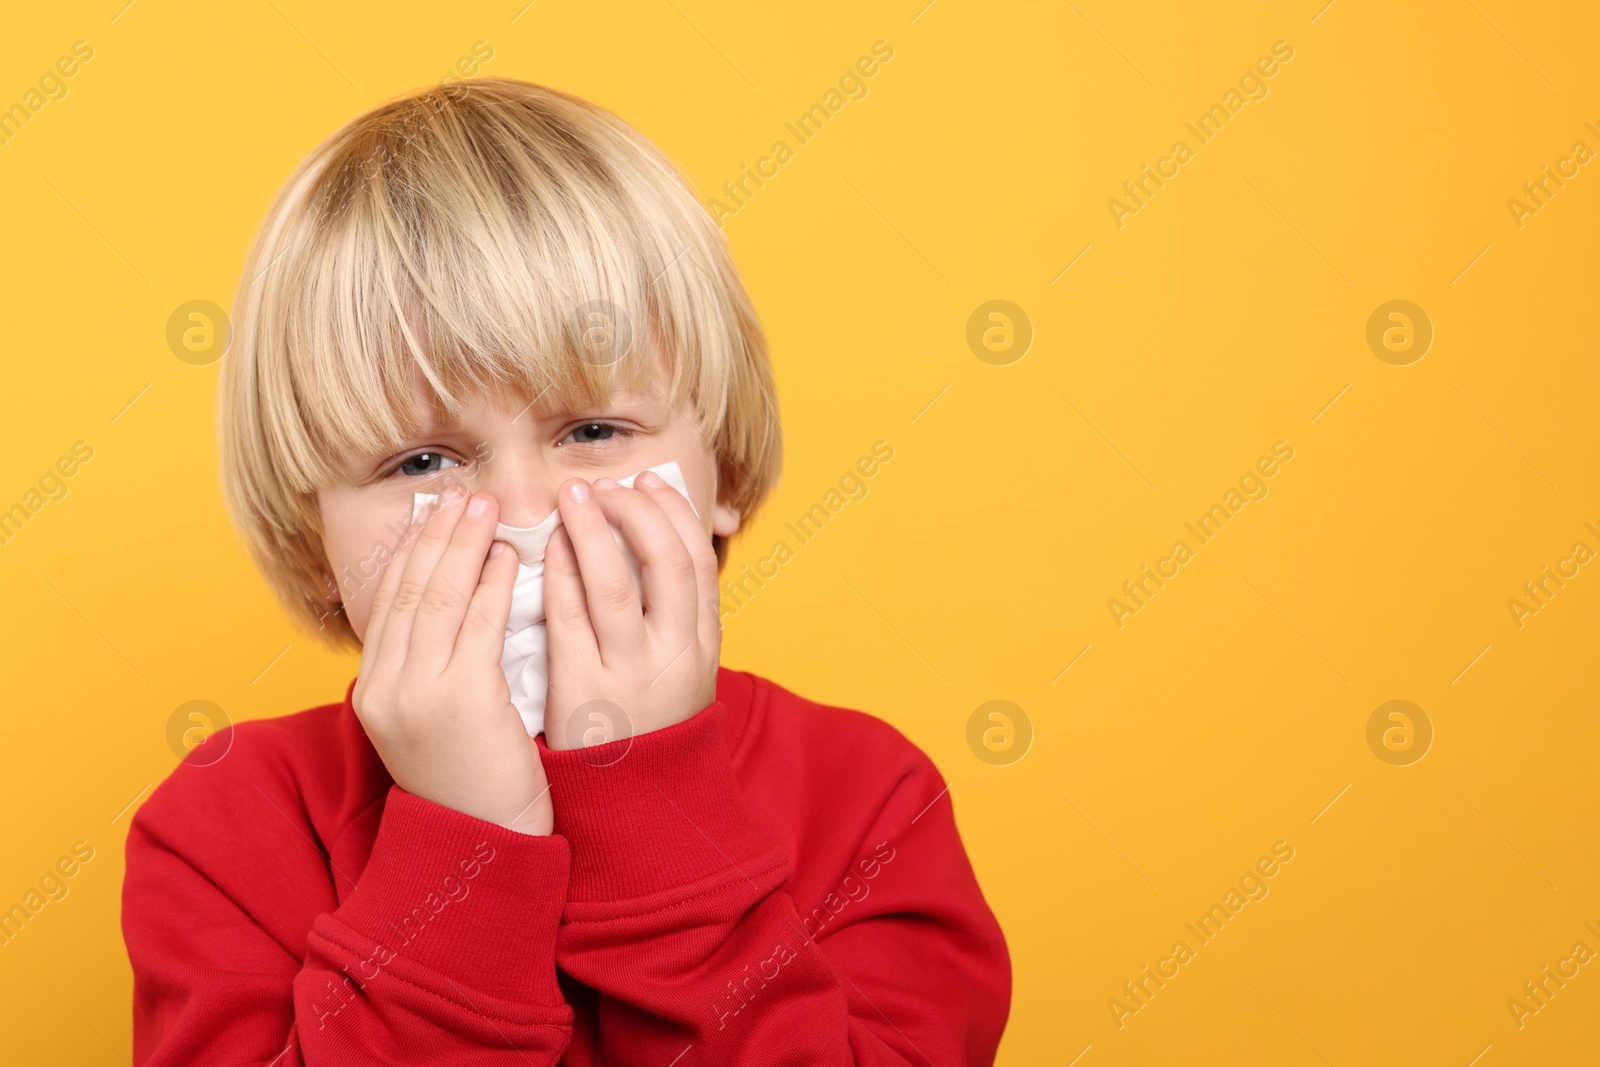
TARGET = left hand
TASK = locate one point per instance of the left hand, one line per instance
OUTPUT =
(655, 658)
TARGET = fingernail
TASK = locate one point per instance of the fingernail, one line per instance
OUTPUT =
(579, 492)
(605, 483)
(479, 505)
(651, 478)
(496, 549)
(453, 494)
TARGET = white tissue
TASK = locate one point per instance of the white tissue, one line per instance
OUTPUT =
(525, 659)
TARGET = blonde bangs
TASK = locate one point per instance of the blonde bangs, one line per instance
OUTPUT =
(490, 236)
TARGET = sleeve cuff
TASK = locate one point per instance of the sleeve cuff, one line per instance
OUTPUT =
(463, 897)
(650, 813)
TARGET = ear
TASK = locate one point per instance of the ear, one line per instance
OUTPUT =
(725, 520)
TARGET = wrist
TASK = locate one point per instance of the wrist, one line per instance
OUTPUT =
(537, 819)
(439, 884)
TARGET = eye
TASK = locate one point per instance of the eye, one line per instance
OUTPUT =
(594, 433)
(422, 464)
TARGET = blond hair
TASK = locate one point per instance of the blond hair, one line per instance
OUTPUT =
(468, 232)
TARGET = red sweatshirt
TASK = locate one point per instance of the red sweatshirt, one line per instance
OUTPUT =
(773, 881)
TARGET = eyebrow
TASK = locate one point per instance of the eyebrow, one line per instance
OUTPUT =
(436, 421)
(620, 397)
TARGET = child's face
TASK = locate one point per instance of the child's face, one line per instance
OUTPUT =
(520, 455)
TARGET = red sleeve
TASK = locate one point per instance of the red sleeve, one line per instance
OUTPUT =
(678, 913)
(443, 952)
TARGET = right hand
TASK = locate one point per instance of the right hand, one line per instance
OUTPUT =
(430, 692)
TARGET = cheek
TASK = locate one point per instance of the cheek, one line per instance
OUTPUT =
(359, 554)
(705, 505)
(358, 607)
(703, 494)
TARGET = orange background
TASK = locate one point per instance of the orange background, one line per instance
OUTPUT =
(1167, 355)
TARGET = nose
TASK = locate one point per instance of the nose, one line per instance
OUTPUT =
(524, 485)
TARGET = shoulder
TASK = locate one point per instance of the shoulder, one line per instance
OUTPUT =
(830, 757)
(232, 782)
(241, 832)
(825, 732)
(845, 794)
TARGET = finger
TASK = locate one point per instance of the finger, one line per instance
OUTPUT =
(451, 587)
(681, 514)
(615, 610)
(666, 570)
(413, 584)
(378, 619)
(569, 635)
(482, 639)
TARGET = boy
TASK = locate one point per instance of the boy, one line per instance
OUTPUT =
(504, 296)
